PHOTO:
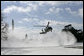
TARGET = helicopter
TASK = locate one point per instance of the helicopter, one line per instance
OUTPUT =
(46, 29)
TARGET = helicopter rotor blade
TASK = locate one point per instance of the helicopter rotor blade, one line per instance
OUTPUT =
(61, 24)
(39, 26)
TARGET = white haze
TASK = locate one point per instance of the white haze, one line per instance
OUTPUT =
(16, 38)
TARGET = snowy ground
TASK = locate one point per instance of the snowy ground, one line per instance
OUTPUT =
(52, 43)
(48, 50)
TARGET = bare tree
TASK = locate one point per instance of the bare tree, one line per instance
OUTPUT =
(4, 28)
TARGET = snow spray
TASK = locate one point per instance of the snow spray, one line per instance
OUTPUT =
(16, 38)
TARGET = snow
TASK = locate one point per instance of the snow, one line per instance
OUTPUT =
(52, 43)
(50, 50)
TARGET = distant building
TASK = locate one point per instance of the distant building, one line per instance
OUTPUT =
(26, 36)
(12, 24)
